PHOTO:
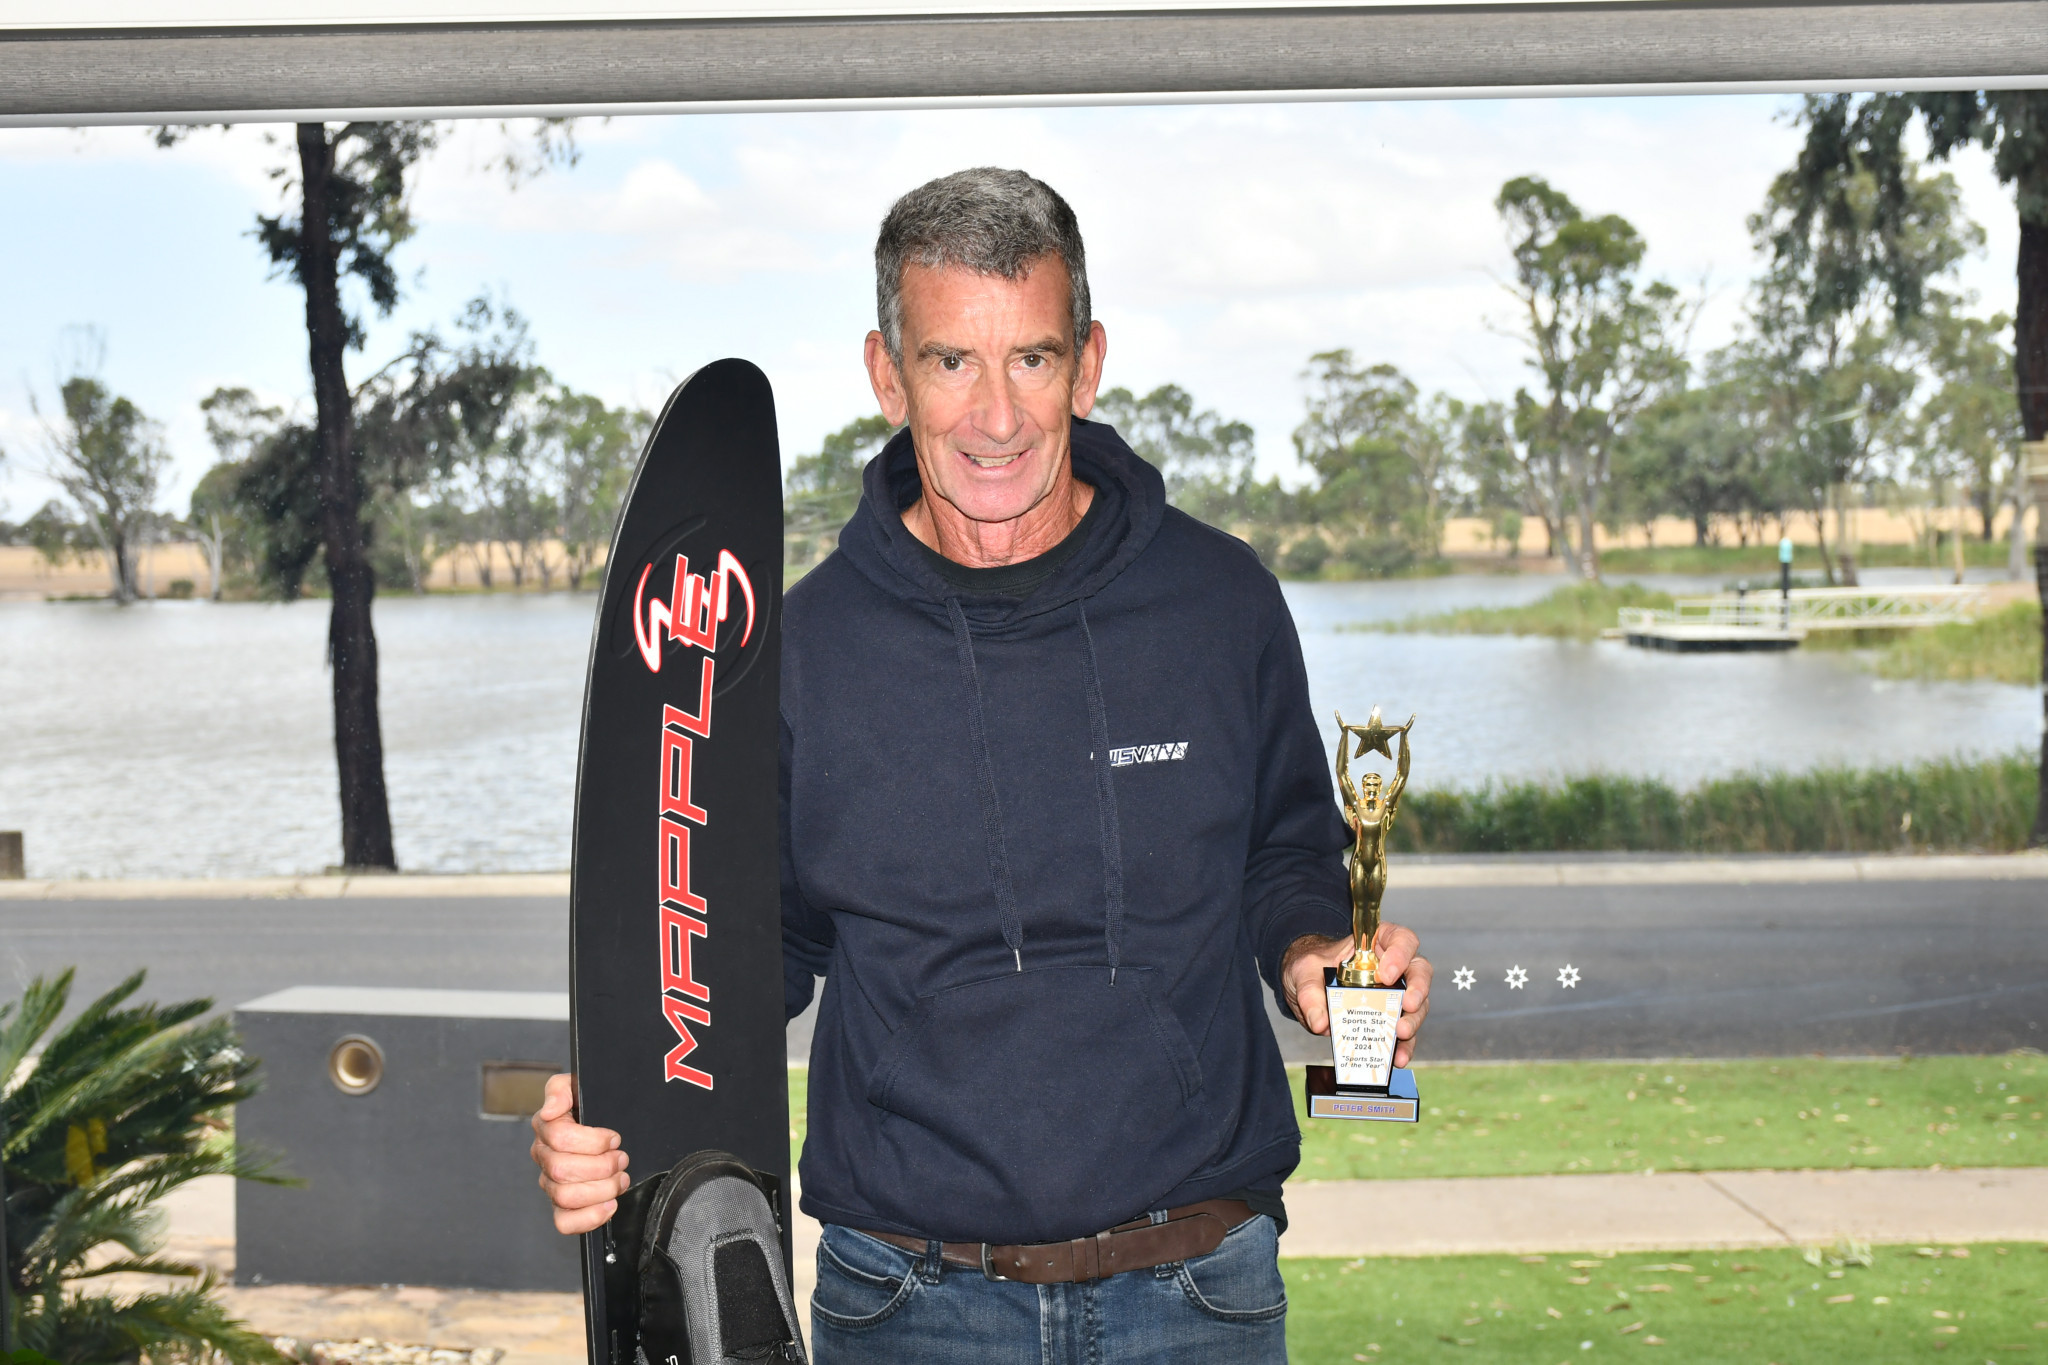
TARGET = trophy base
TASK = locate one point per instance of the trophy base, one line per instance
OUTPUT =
(1397, 1102)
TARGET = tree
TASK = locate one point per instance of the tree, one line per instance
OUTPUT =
(822, 489)
(589, 450)
(264, 491)
(1969, 427)
(1205, 458)
(1685, 457)
(349, 215)
(107, 457)
(56, 535)
(99, 1120)
(1604, 344)
(1855, 255)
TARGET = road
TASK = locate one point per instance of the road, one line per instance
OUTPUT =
(1665, 968)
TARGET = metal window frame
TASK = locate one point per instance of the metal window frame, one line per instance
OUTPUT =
(284, 72)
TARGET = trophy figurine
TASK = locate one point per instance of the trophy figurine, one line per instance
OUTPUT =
(1363, 1083)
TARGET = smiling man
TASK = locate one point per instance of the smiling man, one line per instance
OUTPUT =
(1053, 805)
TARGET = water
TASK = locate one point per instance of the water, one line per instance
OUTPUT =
(189, 739)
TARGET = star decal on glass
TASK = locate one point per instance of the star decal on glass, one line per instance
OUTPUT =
(1517, 978)
(1568, 976)
(1463, 978)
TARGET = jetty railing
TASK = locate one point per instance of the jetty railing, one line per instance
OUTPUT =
(1811, 609)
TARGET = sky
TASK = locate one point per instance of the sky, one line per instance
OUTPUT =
(1226, 245)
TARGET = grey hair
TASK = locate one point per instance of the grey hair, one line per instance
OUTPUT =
(988, 220)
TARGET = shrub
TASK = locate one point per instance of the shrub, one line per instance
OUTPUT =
(1951, 805)
(1305, 557)
(1379, 556)
(101, 1120)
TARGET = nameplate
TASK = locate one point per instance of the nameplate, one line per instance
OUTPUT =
(1389, 1110)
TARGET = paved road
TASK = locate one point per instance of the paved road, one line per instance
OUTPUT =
(1724, 969)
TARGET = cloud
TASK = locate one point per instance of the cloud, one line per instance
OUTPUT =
(1226, 243)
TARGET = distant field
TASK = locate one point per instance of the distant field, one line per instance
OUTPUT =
(1761, 561)
(1976, 1303)
(1793, 1113)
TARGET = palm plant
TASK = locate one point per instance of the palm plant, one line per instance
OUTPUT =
(97, 1123)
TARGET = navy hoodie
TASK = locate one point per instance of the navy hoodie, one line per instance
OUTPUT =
(1041, 851)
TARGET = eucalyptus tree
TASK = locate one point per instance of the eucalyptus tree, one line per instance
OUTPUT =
(347, 190)
(1866, 134)
(1855, 255)
(1205, 458)
(821, 489)
(588, 449)
(1364, 437)
(108, 457)
(1604, 342)
(1968, 428)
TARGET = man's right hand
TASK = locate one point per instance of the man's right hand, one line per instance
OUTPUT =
(582, 1169)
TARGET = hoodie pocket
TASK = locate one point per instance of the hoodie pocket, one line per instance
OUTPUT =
(1052, 1101)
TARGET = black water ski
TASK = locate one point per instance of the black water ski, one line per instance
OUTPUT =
(675, 946)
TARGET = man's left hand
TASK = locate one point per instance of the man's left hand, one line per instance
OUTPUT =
(1301, 977)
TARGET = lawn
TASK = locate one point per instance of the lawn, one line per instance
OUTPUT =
(1786, 1113)
(1908, 1304)
(1797, 1113)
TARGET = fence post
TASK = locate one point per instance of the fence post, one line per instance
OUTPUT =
(13, 867)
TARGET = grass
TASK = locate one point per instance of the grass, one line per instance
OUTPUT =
(1949, 805)
(1577, 611)
(2002, 647)
(1790, 1113)
(1982, 1302)
(1561, 1117)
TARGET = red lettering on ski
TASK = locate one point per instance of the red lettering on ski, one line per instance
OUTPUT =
(678, 811)
(677, 976)
(695, 609)
(681, 1014)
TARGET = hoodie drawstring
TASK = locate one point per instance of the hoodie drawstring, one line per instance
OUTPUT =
(991, 799)
(991, 803)
(1105, 800)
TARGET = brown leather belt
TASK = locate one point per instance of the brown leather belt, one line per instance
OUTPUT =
(1190, 1230)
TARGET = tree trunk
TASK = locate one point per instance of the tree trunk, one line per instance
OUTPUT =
(2030, 375)
(2016, 534)
(1820, 536)
(351, 642)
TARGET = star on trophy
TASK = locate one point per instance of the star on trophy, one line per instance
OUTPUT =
(1363, 1082)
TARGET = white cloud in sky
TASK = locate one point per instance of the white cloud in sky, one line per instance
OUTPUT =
(1226, 244)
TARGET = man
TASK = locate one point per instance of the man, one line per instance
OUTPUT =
(1053, 802)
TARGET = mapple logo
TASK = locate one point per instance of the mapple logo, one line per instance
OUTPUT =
(693, 613)
(695, 609)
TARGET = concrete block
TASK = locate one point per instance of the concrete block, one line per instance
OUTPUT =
(404, 1112)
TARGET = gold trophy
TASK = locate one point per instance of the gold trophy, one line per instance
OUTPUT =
(1363, 1082)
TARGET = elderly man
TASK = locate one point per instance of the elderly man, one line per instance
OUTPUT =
(1053, 805)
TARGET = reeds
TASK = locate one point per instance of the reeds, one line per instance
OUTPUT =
(1576, 611)
(2004, 646)
(1946, 806)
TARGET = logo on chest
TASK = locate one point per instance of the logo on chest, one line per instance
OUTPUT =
(1148, 753)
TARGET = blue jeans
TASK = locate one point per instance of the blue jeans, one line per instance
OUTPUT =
(876, 1303)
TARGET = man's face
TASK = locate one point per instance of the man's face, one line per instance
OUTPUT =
(988, 380)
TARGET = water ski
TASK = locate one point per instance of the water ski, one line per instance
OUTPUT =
(676, 1028)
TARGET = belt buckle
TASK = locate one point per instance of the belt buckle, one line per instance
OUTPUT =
(988, 1270)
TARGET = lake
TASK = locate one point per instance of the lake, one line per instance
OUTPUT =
(195, 739)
